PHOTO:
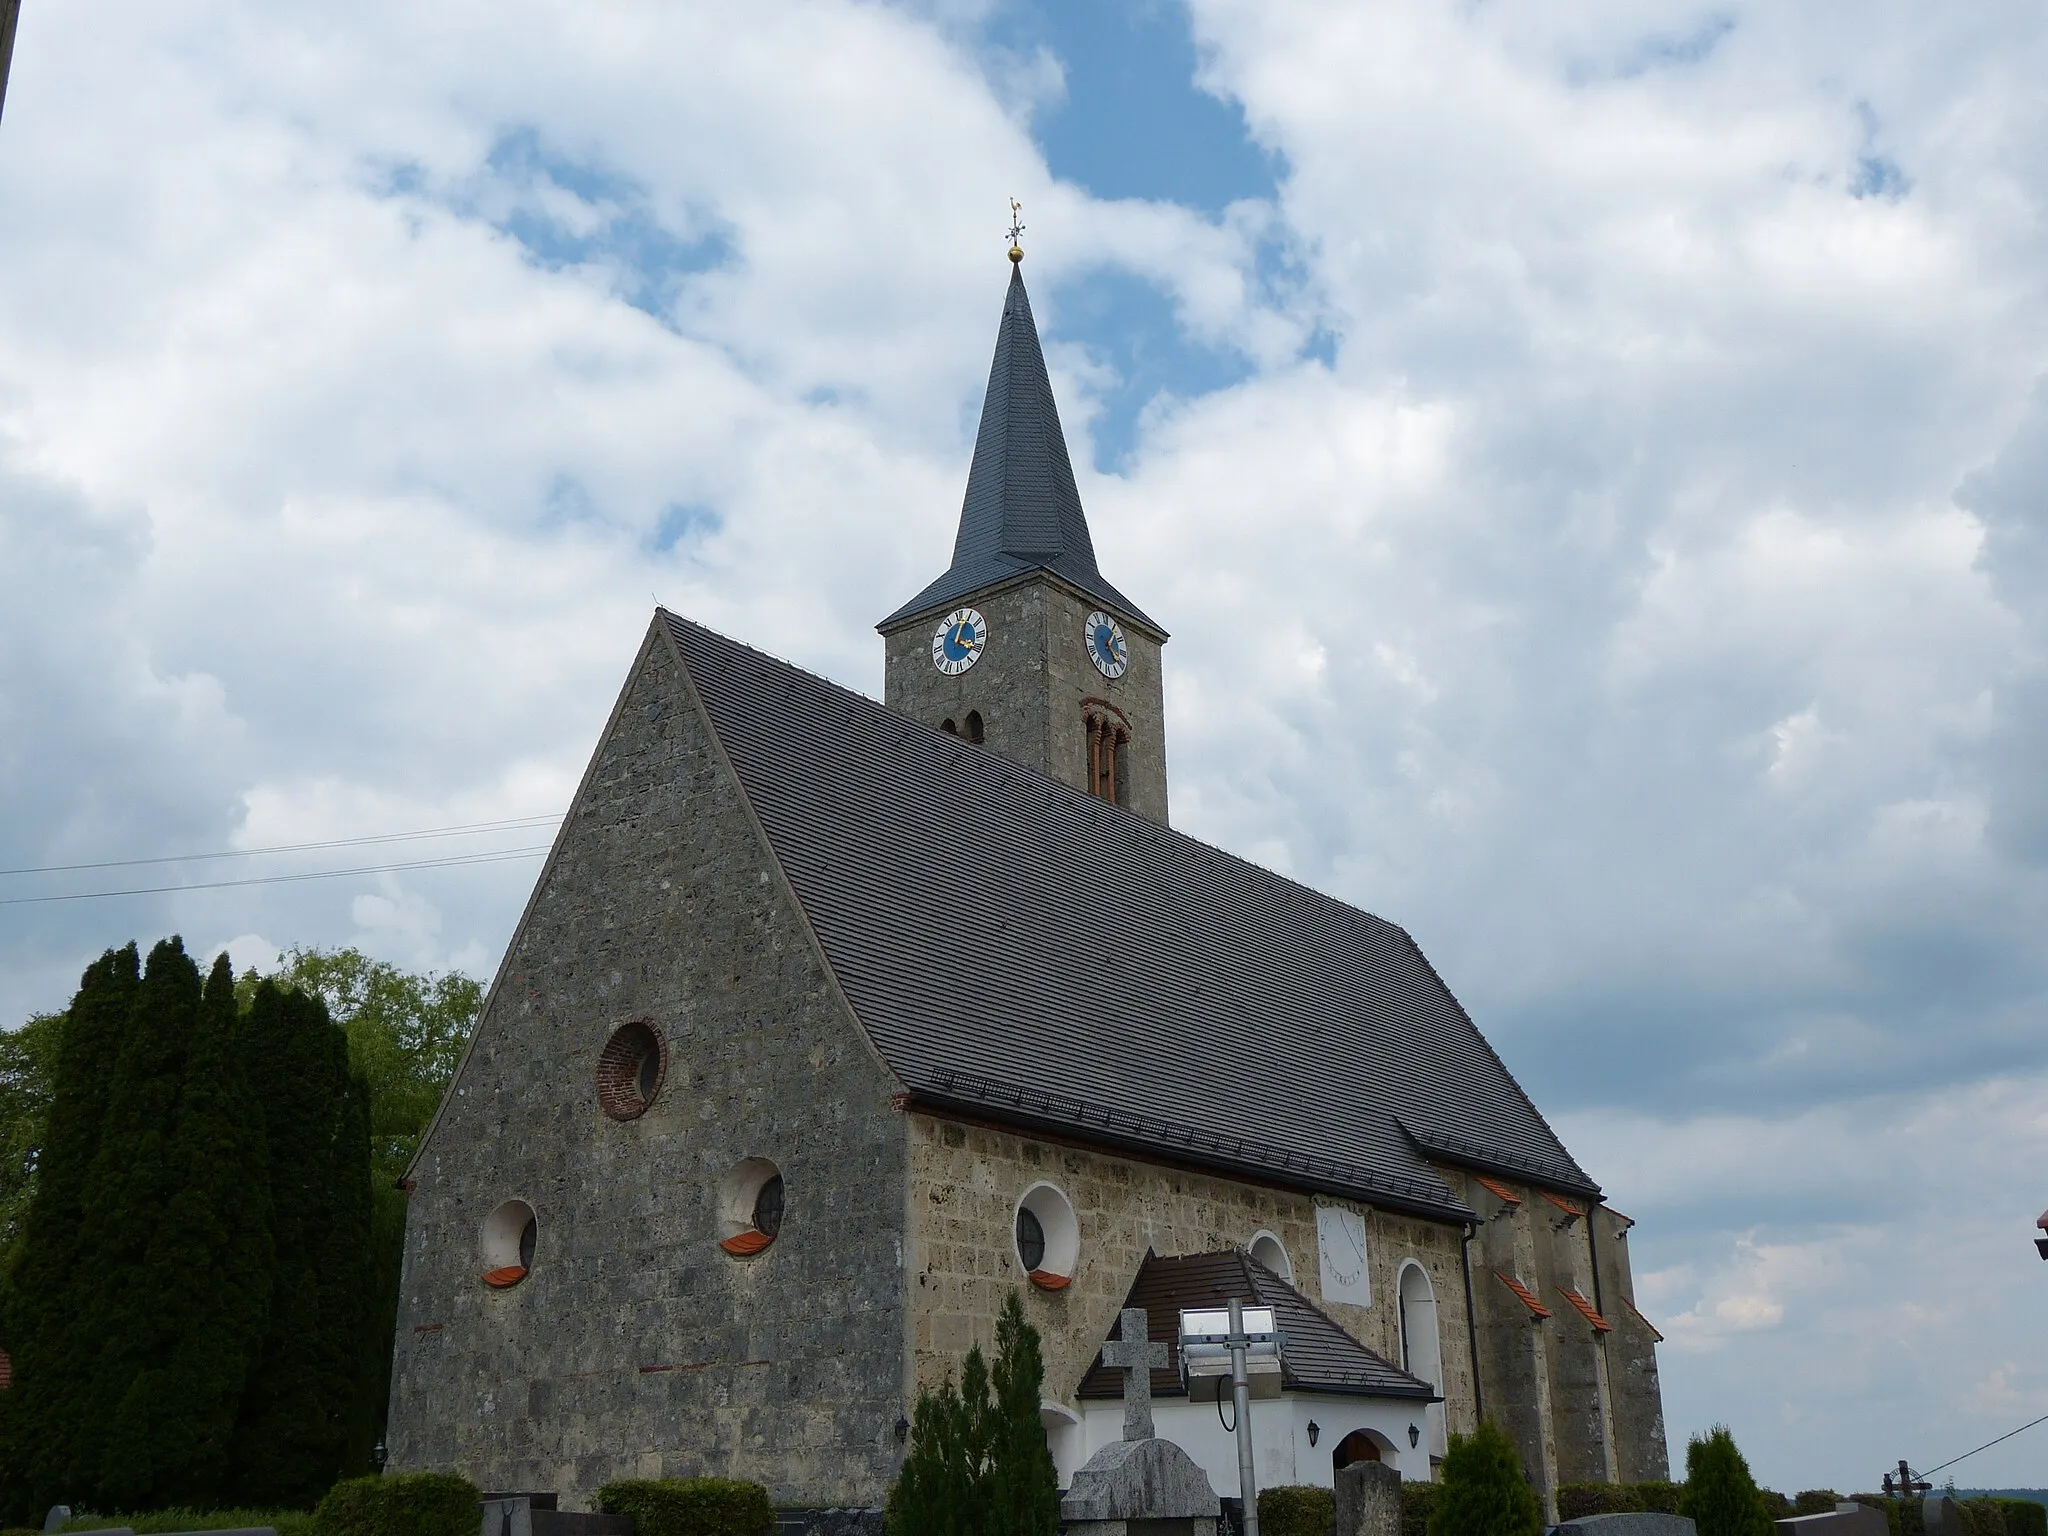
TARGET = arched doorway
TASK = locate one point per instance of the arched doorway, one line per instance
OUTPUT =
(1359, 1445)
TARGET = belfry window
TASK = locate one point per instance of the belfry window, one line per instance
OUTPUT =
(973, 729)
(1109, 757)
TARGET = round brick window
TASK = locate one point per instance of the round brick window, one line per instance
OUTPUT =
(510, 1234)
(630, 1069)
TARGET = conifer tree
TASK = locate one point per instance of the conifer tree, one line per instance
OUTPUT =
(289, 1444)
(206, 1277)
(348, 1268)
(1482, 1491)
(1024, 1491)
(1721, 1497)
(934, 1494)
(41, 1417)
(128, 1191)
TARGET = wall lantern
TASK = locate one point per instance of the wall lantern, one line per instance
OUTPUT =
(1414, 1436)
(1314, 1429)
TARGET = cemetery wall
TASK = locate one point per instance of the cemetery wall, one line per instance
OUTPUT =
(635, 1346)
(967, 1179)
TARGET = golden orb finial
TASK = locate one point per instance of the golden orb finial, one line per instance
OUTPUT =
(1016, 229)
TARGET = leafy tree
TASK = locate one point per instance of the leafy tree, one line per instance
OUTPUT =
(1024, 1489)
(42, 1308)
(28, 1072)
(1721, 1497)
(1482, 1491)
(406, 1035)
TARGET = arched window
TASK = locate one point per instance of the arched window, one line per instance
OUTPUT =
(1359, 1445)
(973, 730)
(949, 728)
(1421, 1349)
(1109, 740)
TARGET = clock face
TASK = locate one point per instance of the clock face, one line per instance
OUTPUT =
(958, 641)
(1106, 647)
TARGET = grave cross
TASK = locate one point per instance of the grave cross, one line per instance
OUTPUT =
(1137, 1359)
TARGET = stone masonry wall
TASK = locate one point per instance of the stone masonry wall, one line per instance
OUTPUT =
(635, 1347)
(1637, 1395)
(1030, 685)
(1583, 1406)
(966, 1181)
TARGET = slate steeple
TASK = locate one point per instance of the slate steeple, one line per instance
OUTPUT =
(1022, 511)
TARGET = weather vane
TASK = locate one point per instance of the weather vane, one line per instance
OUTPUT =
(1016, 229)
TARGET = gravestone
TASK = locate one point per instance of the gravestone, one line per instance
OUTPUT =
(1627, 1525)
(1848, 1518)
(1940, 1517)
(55, 1519)
(1141, 1485)
(1368, 1500)
(535, 1514)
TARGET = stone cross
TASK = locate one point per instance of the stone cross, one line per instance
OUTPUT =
(1137, 1359)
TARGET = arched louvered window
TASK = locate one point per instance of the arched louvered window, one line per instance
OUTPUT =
(1109, 740)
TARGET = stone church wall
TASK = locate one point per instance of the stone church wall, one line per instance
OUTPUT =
(1583, 1406)
(635, 1347)
(966, 1180)
(1030, 684)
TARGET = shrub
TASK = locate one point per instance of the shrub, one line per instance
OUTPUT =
(288, 1522)
(2023, 1517)
(1981, 1517)
(1815, 1501)
(1417, 1500)
(404, 1504)
(1721, 1498)
(1776, 1505)
(1297, 1510)
(1659, 1498)
(690, 1506)
(1484, 1492)
(1575, 1501)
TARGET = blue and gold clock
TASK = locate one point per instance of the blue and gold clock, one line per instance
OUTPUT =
(1106, 647)
(958, 641)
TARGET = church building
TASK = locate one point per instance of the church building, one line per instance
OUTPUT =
(831, 1023)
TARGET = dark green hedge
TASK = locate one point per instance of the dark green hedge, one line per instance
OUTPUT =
(1577, 1500)
(405, 1504)
(1416, 1501)
(693, 1506)
(1297, 1510)
(2023, 1517)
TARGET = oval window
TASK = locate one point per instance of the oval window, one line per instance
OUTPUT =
(510, 1235)
(1047, 1237)
(750, 1207)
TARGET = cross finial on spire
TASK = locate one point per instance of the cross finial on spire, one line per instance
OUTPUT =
(1016, 229)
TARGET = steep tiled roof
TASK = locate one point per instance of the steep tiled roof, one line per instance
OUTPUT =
(1638, 1316)
(1319, 1355)
(1022, 511)
(1024, 952)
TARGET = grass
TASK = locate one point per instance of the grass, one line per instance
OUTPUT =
(289, 1522)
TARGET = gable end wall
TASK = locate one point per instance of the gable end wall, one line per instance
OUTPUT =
(636, 1347)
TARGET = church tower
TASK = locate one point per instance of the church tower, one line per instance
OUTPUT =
(1021, 645)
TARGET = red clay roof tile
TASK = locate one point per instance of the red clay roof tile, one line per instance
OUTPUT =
(505, 1276)
(1600, 1324)
(1493, 1187)
(1528, 1297)
(744, 1245)
(1562, 1204)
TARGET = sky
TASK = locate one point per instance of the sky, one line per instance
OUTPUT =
(1591, 459)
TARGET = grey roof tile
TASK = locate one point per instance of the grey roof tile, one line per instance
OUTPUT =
(1023, 952)
(1023, 511)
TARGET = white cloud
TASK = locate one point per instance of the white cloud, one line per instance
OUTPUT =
(1643, 603)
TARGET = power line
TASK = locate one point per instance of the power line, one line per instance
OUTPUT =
(1986, 1445)
(339, 842)
(316, 874)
